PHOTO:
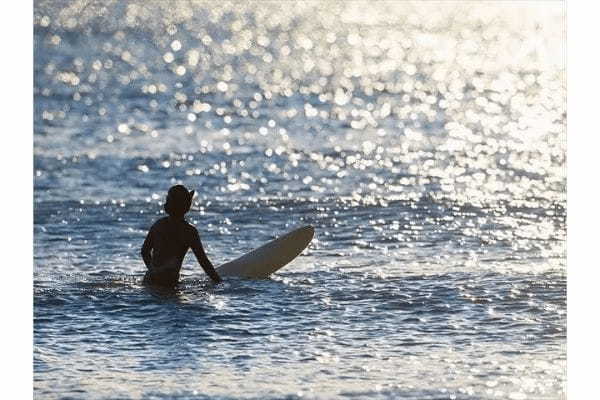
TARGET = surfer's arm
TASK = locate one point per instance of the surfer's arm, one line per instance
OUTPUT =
(147, 250)
(202, 258)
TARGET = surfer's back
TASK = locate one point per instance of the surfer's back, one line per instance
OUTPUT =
(169, 239)
(165, 247)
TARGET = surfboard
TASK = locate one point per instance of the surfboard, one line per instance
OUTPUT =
(270, 257)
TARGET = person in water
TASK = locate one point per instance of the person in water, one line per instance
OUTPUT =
(170, 238)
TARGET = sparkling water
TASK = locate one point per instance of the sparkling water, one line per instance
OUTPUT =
(424, 141)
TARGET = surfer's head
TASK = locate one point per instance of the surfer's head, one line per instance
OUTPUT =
(179, 201)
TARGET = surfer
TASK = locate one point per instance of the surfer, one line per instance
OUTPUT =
(170, 238)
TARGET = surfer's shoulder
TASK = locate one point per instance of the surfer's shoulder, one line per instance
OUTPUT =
(191, 230)
(190, 227)
(159, 222)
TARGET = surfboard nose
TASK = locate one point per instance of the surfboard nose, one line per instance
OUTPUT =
(308, 228)
(307, 231)
(270, 257)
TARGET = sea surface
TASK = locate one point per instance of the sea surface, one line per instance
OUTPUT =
(424, 141)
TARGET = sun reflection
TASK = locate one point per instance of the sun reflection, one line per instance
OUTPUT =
(434, 129)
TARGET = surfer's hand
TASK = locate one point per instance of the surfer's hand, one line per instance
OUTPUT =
(215, 277)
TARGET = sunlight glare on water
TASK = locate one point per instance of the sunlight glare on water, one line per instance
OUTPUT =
(425, 141)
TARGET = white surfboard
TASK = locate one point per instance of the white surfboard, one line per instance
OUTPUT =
(263, 261)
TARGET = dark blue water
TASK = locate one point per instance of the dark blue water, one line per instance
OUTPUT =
(425, 143)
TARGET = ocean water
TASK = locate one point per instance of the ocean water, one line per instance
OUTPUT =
(424, 141)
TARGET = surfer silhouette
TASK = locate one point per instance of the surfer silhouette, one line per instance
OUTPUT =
(170, 238)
